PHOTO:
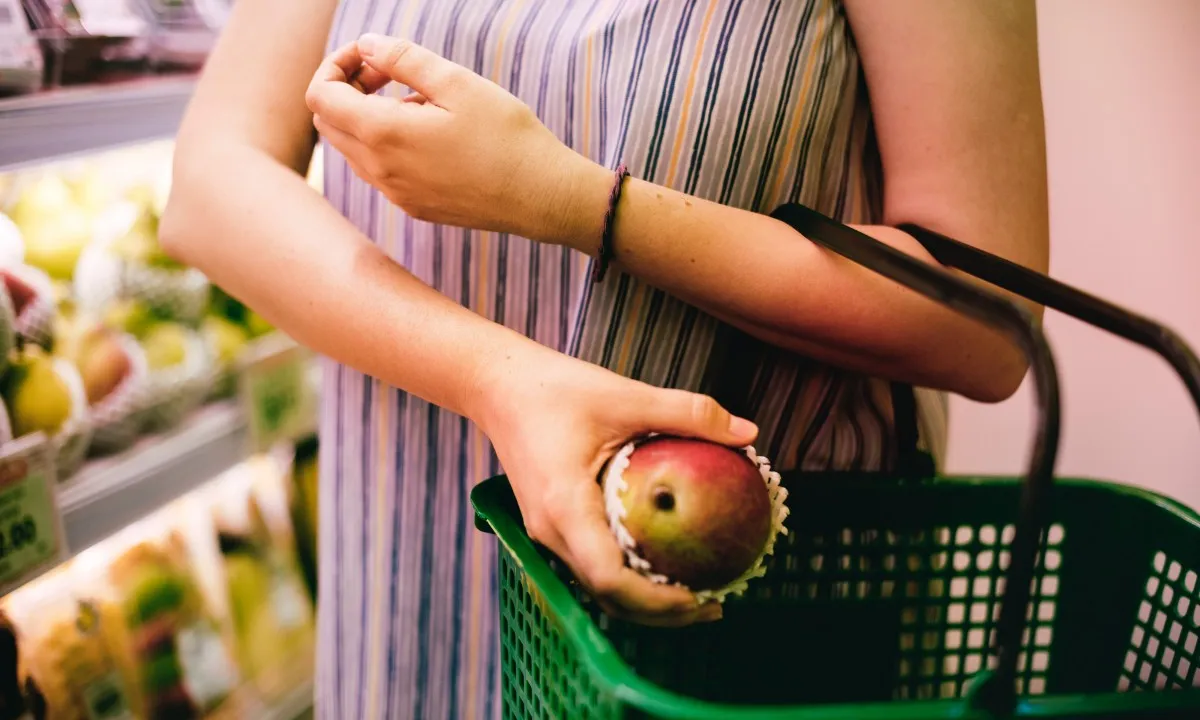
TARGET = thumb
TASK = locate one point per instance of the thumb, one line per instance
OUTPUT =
(410, 64)
(678, 412)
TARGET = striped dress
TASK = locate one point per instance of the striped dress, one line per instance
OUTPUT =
(750, 103)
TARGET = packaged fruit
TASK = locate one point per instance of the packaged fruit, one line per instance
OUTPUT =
(176, 656)
(227, 341)
(180, 373)
(270, 611)
(34, 302)
(12, 243)
(43, 393)
(132, 266)
(54, 227)
(113, 369)
(66, 669)
(694, 513)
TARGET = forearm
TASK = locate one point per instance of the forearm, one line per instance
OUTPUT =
(757, 274)
(265, 237)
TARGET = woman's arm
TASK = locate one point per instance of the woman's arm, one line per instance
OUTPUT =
(241, 211)
(957, 102)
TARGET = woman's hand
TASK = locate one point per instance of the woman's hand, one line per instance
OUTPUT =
(458, 150)
(555, 421)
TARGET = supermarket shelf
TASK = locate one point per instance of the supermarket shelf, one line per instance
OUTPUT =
(297, 704)
(108, 494)
(247, 703)
(74, 120)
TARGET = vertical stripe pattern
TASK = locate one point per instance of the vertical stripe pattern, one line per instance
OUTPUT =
(750, 103)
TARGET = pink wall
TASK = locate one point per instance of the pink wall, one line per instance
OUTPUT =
(1121, 80)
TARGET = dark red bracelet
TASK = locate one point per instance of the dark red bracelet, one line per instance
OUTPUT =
(605, 254)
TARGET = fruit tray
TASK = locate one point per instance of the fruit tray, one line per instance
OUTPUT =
(901, 596)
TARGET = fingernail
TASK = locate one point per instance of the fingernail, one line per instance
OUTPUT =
(742, 427)
(712, 613)
(368, 44)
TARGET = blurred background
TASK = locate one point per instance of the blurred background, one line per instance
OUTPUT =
(1122, 94)
(157, 439)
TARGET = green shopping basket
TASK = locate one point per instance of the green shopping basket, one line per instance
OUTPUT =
(901, 597)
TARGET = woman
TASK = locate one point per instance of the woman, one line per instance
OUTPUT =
(471, 149)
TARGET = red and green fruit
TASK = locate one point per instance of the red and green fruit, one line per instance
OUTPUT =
(699, 512)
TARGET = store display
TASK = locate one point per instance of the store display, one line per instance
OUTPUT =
(179, 615)
(172, 573)
(21, 62)
(271, 612)
(31, 531)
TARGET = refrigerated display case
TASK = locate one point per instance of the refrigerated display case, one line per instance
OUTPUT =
(157, 437)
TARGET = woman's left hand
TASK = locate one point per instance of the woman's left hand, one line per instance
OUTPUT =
(457, 150)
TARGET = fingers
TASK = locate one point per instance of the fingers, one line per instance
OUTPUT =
(426, 72)
(599, 563)
(351, 149)
(678, 412)
(341, 104)
(346, 65)
(709, 612)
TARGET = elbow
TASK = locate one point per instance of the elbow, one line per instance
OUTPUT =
(997, 377)
(177, 228)
(172, 233)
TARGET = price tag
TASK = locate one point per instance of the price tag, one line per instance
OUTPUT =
(279, 392)
(31, 533)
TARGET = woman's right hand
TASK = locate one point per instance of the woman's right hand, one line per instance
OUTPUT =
(554, 422)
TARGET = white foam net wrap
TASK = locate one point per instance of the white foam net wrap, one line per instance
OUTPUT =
(614, 485)
(115, 420)
(72, 439)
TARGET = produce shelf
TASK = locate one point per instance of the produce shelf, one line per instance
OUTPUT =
(73, 120)
(108, 494)
(298, 704)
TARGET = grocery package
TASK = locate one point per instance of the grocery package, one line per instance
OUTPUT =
(269, 609)
(181, 662)
(66, 666)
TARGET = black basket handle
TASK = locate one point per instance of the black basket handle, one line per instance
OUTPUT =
(998, 692)
(1053, 294)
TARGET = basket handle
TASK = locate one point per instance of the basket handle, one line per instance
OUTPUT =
(1059, 296)
(998, 690)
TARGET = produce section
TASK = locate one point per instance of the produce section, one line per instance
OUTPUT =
(157, 438)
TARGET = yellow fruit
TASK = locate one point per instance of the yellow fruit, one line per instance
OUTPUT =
(227, 337)
(129, 316)
(257, 324)
(165, 344)
(53, 244)
(37, 397)
(134, 246)
(45, 197)
(90, 191)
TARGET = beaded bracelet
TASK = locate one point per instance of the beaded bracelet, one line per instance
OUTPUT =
(604, 256)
